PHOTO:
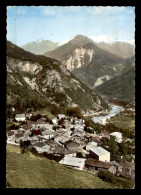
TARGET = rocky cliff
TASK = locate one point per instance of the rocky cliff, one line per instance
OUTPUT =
(37, 82)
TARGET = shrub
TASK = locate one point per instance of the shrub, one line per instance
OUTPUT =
(121, 182)
(74, 112)
(13, 126)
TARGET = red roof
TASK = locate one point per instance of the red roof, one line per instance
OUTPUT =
(37, 132)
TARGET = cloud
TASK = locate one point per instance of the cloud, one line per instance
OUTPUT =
(107, 39)
(107, 10)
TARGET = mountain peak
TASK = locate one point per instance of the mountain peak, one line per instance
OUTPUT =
(39, 40)
(81, 39)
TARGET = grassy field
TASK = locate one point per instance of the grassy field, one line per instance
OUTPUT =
(123, 122)
(29, 171)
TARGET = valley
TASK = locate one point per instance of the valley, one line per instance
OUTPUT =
(70, 97)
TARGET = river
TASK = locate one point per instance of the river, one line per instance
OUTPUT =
(114, 111)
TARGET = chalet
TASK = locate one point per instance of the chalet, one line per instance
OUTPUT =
(117, 136)
(96, 165)
(78, 163)
(48, 133)
(100, 154)
(20, 117)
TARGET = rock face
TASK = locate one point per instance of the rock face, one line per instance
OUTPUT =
(93, 63)
(35, 80)
(102, 79)
(79, 58)
(124, 50)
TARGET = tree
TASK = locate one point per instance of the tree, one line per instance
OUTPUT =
(74, 112)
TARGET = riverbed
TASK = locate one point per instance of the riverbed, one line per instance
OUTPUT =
(114, 111)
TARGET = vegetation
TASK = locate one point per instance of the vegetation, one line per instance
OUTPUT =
(121, 182)
(125, 132)
(118, 149)
(30, 171)
(123, 122)
(121, 87)
(92, 124)
(74, 112)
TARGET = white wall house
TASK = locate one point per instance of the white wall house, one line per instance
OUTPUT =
(117, 135)
(74, 162)
(55, 121)
(20, 117)
(100, 154)
(61, 116)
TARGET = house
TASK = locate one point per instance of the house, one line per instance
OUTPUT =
(117, 136)
(20, 117)
(61, 151)
(48, 134)
(28, 115)
(91, 145)
(27, 126)
(96, 165)
(71, 144)
(55, 121)
(41, 147)
(78, 163)
(100, 154)
(128, 169)
(105, 134)
(96, 139)
(117, 165)
(60, 116)
(37, 132)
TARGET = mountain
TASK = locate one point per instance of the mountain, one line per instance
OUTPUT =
(36, 82)
(40, 46)
(122, 87)
(64, 50)
(88, 62)
(121, 49)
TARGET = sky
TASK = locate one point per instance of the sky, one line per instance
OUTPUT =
(60, 24)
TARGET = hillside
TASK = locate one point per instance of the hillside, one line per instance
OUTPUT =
(88, 62)
(121, 49)
(122, 87)
(40, 47)
(40, 172)
(38, 82)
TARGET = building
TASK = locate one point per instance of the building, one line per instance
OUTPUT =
(117, 136)
(100, 154)
(55, 121)
(77, 163)
(20, 117)
(91, 145)
(60, 116)
(96, 165)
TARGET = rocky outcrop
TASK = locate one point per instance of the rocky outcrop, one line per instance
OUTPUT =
(79, 58)
(102, 79)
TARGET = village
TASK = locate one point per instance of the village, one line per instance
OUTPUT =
(66, 138)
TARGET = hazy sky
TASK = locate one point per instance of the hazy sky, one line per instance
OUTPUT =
(57, 23)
